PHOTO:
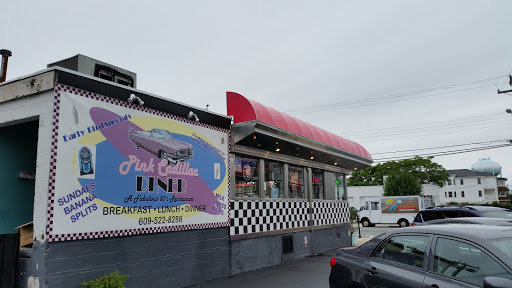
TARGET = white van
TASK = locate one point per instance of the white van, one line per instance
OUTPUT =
(399, 210)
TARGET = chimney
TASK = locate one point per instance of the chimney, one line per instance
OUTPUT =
(3, 68)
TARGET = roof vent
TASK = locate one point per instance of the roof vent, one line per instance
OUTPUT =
(96, 68)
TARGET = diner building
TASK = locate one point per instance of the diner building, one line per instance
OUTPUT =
(100, 176)
(288, 178)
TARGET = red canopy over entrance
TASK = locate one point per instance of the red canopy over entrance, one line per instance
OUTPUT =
(244, 110)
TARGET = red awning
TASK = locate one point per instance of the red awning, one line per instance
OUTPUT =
(243, 110)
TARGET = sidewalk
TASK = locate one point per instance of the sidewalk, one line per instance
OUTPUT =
(311, 271)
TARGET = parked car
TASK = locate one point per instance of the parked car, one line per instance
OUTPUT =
(436, 213)
(471, 220)
(450, 255)
(160, 143)
(85, 161)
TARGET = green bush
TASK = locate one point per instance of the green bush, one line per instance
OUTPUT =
(112, 280)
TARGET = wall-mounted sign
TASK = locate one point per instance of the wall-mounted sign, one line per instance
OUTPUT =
(120, 167)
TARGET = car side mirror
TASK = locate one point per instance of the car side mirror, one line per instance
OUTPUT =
(497, 282)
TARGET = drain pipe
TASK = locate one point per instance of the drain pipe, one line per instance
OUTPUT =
(3, 68)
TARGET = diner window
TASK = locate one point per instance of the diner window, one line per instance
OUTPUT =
(296, 182)
(339, 187)
(246, 174)
(274, 180)
(318, 184)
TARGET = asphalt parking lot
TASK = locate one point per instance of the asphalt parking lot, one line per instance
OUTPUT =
(312, 271)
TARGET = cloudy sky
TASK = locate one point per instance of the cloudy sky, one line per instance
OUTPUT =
(390, 75)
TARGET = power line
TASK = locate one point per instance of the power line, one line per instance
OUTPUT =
(356, 105)
(461, 125)
(440, 133)
(421, 124)
(309, 108)
(443, 153)
(440, 147)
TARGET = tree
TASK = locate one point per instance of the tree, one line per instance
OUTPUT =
(423, 169)
(402, 184)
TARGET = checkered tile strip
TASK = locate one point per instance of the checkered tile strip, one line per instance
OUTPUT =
(327, 212)
(252, 216)
(50, 237)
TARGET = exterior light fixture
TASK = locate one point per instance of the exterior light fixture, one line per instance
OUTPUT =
(312, 158)
(254, 137)
(355, 168)
(277, 142)
(335, 163)
(277, 150)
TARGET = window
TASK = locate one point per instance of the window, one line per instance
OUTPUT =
(450, 194)
(502, 193)
(246, 174)
(296, 182)
(455, 194)
(461, 181)
(445, 195)
(450, 182)
(431, 215)
(479, 193)
(274, 180)
(375, 205)
(462, 193)
(339, 187)
(465, 262)
(451, 214)
(479, 181)
(408, 250)
(318, 184)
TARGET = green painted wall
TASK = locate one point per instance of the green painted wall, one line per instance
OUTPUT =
(18, 149)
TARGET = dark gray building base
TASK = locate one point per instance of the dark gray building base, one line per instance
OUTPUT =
(173, 259)
(255, 253)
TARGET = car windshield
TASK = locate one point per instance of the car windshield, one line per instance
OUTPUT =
(505, 245)
(505, 214)
(162, 133)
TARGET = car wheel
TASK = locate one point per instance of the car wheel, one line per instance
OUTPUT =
(365, 222)
(403, 223)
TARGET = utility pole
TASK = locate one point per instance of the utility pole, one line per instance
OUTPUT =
(509, 83)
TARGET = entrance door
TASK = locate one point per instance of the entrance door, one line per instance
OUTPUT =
(18, 150)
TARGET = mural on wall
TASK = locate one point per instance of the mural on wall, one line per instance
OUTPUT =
(122, 169)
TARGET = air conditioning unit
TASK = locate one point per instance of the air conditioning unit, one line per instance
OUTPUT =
(96, 68)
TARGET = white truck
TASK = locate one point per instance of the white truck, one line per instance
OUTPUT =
(399, 210)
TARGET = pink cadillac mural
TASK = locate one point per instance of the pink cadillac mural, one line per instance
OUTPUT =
(159, 142)
(137, 170)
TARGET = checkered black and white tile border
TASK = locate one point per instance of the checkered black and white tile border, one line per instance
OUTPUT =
(327, 212)
(253, 216)
(50, 237)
